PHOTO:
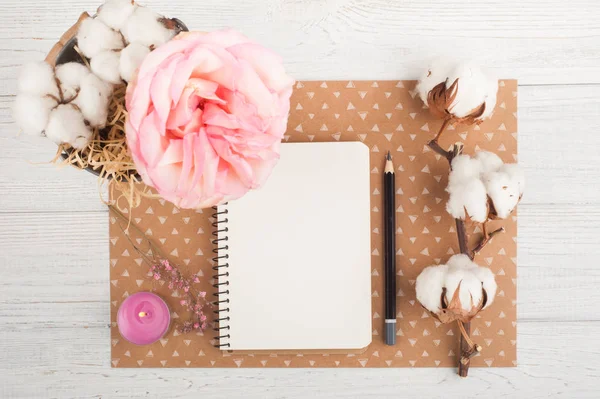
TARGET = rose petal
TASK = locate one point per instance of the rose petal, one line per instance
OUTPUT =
(159, 92)
(201, 59)
(200, 143)
(249, 84)
(266, 63)
(173, 153)
(237, 163)
(214, 115)
(186, 167)
(152, 143)
(184, 109)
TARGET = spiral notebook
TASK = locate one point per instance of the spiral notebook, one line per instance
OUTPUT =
(294, 257)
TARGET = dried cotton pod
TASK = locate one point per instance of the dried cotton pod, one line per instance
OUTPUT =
(457, 290)
(93, 100)
(37, 79)
(483, 187)
(66, 125)
(114, 13)
(131, 58)
(32, 112)
(105, 65)
(94, 37)
(70, 76)
(146, 27)
(458, 92)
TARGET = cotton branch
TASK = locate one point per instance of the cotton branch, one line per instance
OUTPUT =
(487, 237)
(467, 347)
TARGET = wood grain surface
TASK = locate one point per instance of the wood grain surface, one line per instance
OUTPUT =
(54, 310)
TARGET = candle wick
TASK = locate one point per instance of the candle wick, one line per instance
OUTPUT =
(142, 314)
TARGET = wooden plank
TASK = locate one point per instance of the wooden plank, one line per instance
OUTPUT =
(549, 44)
(58, 262)
(556, 360)
(557, 148)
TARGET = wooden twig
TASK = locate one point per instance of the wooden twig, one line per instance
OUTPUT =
(435, 146)
(442, 129)
(461, 234)
(485, 240)
(467, 349)
(464, 362)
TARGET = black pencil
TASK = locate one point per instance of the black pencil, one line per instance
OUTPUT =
(389, 224)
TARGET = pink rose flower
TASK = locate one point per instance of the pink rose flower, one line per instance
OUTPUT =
(207, 112)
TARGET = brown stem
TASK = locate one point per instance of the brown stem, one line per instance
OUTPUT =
(461, 233)
(437, 148)
(434, 145)
(487, 237)
(465, 349)
(442, 129)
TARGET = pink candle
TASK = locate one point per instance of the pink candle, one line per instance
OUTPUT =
(143, 318)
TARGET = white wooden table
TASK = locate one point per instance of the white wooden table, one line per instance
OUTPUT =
(54, 308)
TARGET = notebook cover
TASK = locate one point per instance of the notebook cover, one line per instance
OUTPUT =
(385, 115)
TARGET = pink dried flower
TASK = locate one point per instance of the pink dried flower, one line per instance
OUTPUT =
(193, 301)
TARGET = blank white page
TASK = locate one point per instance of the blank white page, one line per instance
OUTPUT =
(299, 253)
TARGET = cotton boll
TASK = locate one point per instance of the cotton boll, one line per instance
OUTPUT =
(489, 161)
(429, 286)
(503, 191)
(515, 172)
(464, 168)
(32, 112)
(469, 197)
(144, 27)
(66, 125)
(131, 58)
(467, 192)
(93, 100)
(70, 76)
(106, 65)
(472, 89)
(461, 261)
(38, 79)
(468, 286)
(437, 71)
(464, 280)
(492, 95)
(488, 282)
(94, 37)
(114, 13)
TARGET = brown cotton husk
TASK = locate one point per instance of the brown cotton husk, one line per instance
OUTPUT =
(440, 100)
(453, 311)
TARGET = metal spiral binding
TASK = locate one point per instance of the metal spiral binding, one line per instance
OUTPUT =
(221, 266)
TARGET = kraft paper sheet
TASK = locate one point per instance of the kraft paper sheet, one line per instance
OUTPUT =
(385, 115)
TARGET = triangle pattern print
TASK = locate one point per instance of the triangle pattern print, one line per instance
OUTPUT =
(384, 115)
